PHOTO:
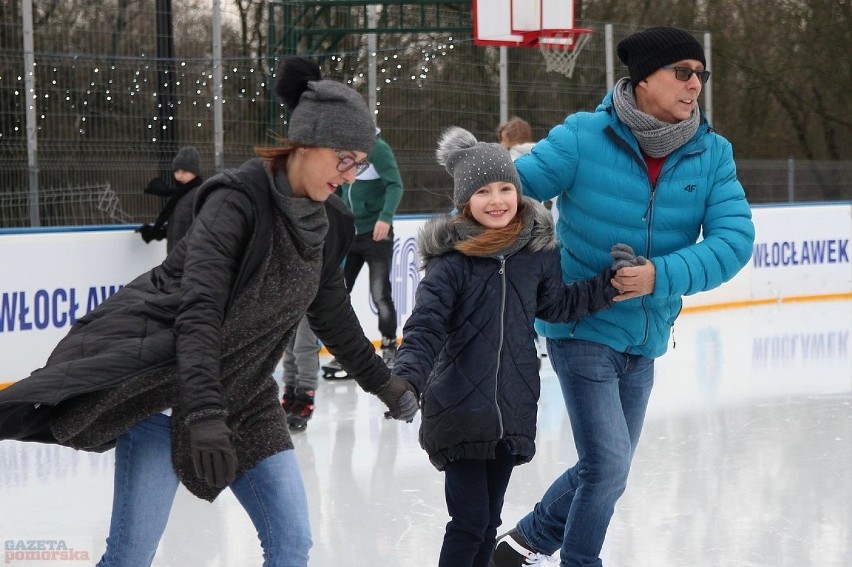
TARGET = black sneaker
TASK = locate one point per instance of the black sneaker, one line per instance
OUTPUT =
(389, 352)
(513, 551)
(301, 410)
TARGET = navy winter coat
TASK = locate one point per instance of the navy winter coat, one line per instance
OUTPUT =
(468, 346)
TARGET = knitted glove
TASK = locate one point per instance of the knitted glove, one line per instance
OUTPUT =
(400, 396)
(151, 232)
(213, 452)
(624, 257)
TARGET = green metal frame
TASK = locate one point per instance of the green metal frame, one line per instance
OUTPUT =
(324, 28)
(319, 26)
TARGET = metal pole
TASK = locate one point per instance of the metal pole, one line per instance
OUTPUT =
(166, 77)
(610, 60)
(218, 122)
(372, 48)
(504, 84)
(791, 179)
(30, 102)
(708, 88)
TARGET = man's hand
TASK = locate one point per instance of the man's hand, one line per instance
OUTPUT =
(634, 281)
(380, 231)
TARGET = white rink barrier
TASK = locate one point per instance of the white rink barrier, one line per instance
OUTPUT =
(51, 277)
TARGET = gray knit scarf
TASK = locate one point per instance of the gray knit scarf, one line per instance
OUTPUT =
(307, 217)
(656, 138)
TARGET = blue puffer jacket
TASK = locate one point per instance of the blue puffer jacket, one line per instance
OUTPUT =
(468, 345)
(593, 163)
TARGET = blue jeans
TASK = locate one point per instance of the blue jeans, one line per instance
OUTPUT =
(271, 492)
(606, 393)
(378, 256)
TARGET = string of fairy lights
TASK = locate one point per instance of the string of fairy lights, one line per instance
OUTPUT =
(82, 88)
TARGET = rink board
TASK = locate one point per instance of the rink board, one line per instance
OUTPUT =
(51, 277)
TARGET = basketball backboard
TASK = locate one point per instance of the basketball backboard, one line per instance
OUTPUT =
(519, 22)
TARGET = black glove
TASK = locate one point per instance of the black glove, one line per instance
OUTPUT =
(624, 257)
(401, 398)
(213, 452)
(159, 188)
(151, 232)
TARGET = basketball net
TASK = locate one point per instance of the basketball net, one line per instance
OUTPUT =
(561, 56)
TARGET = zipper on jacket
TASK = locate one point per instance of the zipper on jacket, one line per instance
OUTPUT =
(502, 272)
(650, 203)
(648, 217)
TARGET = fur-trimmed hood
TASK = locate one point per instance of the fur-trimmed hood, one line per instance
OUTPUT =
(439, 236)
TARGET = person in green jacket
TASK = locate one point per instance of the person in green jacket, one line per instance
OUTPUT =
(373, 198)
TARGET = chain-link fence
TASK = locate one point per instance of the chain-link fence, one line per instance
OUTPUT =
(110, 113)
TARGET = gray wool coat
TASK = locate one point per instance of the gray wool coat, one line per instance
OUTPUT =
(201, 334)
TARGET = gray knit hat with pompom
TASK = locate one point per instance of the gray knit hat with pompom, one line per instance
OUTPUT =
(323, 113)
(474, 164)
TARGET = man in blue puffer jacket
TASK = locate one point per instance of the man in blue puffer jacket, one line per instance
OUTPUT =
(645, 169)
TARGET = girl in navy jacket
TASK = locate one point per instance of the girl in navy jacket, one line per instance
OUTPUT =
(468, 348)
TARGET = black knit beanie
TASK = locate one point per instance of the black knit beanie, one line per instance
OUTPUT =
(646, 51)
(474, 164)
(187, 159)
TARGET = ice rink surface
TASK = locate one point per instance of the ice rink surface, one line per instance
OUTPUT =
(745, 460)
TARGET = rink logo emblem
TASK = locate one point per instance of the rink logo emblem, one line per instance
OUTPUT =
(800, 253)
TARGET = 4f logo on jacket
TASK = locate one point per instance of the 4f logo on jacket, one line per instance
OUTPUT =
(690, 188)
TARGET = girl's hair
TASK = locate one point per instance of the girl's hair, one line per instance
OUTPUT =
(491, 240)
(277, 156)
(517, 131)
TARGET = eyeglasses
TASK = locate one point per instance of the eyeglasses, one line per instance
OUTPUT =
(347, 162)
(685, 73)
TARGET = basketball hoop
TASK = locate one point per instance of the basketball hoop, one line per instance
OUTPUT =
(560, 49)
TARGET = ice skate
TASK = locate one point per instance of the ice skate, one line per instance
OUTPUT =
(287, 399)
(389, 352)
(333, 371)
(512, 551)
(301, 409)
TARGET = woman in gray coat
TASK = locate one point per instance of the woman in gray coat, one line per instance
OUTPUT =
(175, 370)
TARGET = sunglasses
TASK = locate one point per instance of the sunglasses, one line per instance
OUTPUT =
(347, 162)
(685, 73)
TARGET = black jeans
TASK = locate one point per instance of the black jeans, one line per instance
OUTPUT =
(475, 490)
(378, 256)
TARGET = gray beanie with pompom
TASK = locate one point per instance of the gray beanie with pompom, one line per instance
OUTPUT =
(474, 164)
(323, 113)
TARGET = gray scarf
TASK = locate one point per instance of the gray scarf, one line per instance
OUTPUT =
(307, 217)
(656, 138)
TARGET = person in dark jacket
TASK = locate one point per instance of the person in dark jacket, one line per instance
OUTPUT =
(468, 345)
(176, 216)
(175, 370)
